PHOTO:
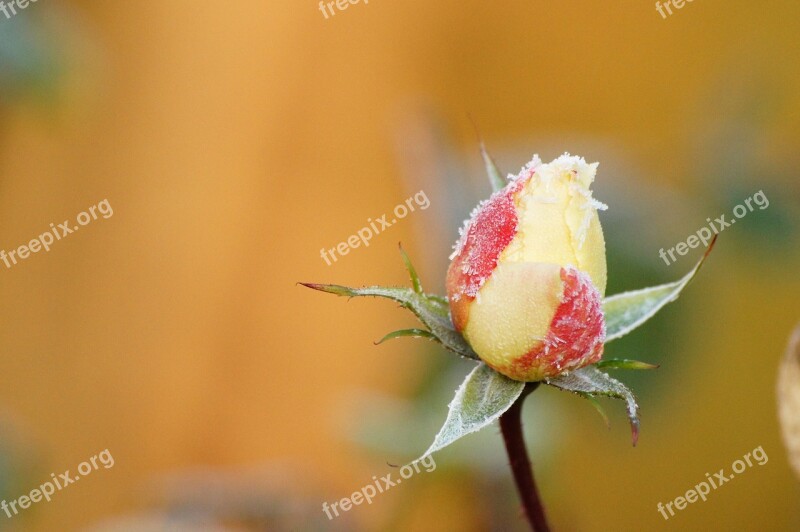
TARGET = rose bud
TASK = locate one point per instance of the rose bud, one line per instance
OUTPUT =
(528, 274)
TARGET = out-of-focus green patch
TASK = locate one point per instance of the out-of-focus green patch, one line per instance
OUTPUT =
(30, 65)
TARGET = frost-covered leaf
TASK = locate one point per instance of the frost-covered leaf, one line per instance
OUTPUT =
(624, 363)
(432, 311)
(627, 311)
(482, 398)
(789, 400)
(593, 382)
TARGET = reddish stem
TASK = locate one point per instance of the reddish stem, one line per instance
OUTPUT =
(511, 426)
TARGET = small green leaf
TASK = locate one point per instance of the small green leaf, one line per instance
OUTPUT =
(415, 282)
(597, 406)
(627, 311)
(415, 333)
(624, 363)
(482, 398)
(591, 381)
(432, 311)
(495, 177)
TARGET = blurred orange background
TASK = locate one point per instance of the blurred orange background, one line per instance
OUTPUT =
(233, 141)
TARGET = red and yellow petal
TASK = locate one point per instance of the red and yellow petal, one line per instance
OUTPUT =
(526, 281)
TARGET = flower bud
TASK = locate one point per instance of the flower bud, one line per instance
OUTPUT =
(528, 275)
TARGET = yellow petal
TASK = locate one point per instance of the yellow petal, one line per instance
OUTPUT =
(513, 311)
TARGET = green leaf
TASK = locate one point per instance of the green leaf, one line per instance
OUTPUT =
(415, 282)
(481, 399)
(416, 333)
(624, 363)
(593, 382)
(495, 177)
(627, 311)
(432, 311)
(597, 406)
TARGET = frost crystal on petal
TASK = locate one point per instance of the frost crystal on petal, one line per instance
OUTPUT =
(576, 335)
(577, 176)
(484, 236)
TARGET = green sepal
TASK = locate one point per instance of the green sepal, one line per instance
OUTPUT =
(626, 311)
(593, 382)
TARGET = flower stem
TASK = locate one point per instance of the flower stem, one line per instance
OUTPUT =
(511, 426)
